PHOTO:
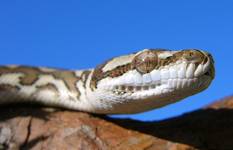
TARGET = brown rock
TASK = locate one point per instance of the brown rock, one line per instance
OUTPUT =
(38, 128)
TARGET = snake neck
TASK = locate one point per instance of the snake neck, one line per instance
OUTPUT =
(53, 87)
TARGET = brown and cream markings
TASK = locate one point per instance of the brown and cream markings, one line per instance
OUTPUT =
(132, 83)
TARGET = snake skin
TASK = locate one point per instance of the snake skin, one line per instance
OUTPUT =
(132, 83)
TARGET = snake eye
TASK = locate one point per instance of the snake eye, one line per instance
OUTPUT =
(145, 62)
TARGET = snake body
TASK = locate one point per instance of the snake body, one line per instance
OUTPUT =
(133, 83)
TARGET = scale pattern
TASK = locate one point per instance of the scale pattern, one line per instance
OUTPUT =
(133, 83)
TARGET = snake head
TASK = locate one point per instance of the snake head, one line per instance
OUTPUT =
(149, 79)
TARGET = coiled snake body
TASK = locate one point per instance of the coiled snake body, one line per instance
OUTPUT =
(132, 83)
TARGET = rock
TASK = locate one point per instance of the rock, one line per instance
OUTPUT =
(36, 128)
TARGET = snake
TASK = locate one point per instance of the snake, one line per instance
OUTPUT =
(128, 84)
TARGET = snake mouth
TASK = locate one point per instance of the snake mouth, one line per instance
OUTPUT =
(170, 84)
(164, 86)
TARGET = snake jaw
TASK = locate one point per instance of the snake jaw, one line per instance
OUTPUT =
(174, 76)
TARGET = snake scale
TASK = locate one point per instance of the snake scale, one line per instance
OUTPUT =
(138, 82)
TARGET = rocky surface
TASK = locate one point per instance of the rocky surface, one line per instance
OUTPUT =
(40, 128)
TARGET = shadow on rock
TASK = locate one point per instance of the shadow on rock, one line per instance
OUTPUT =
(15, 110)
(209, 128)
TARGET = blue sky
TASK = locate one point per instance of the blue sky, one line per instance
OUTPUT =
(80, 34)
